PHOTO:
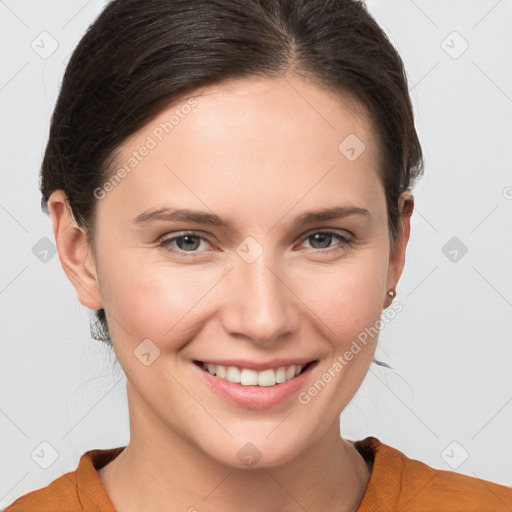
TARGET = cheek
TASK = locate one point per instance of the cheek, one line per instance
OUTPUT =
(152, 299)
(347, 297)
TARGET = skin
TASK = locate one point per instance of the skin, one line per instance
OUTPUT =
(259, 153)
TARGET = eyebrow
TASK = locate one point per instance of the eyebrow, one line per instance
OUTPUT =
(200, 217)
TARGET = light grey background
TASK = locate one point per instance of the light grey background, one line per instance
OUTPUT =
(449, 396)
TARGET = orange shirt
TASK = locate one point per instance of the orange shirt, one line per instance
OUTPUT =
(397, 483)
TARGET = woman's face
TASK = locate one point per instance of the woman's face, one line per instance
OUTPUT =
(267, 288)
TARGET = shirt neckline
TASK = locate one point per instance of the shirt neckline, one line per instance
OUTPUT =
(93, 495)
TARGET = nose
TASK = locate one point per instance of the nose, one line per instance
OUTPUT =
(260, 305)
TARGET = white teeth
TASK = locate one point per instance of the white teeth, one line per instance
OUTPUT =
(248, 377)
(232, 374)
(220, 371)
(280, 375)
(290, 372)
(267, 378)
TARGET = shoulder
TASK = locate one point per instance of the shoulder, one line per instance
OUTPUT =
(399, 482)
(448, 490)
(78, 491)
(59, 495)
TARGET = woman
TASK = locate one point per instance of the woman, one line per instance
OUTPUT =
(229, 184)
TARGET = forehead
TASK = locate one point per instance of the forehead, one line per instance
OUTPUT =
(252, 144)
(256, 110)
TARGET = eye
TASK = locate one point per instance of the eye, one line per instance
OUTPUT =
(324, 239)
(186, 243)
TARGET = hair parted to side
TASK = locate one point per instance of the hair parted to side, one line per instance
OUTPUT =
(139, 56)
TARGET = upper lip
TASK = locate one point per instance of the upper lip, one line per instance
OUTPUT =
(259, 366)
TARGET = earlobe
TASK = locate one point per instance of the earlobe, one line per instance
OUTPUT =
(74, 251)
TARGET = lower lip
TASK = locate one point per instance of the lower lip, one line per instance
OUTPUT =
(255, 397)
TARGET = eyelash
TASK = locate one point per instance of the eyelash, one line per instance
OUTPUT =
(166, 242)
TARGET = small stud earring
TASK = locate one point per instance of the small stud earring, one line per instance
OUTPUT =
(392, 293)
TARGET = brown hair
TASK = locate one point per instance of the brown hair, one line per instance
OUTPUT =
(140, 55)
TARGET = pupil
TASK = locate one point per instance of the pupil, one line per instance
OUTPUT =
(189, 237)
(325, 236)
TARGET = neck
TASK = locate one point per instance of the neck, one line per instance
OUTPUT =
(162, 471)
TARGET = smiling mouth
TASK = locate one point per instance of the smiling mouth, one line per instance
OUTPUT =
(249, 377)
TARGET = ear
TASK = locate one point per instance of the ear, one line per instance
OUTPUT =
(75, 254)
(397, 253)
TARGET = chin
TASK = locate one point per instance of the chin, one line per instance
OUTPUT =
(255, 452)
